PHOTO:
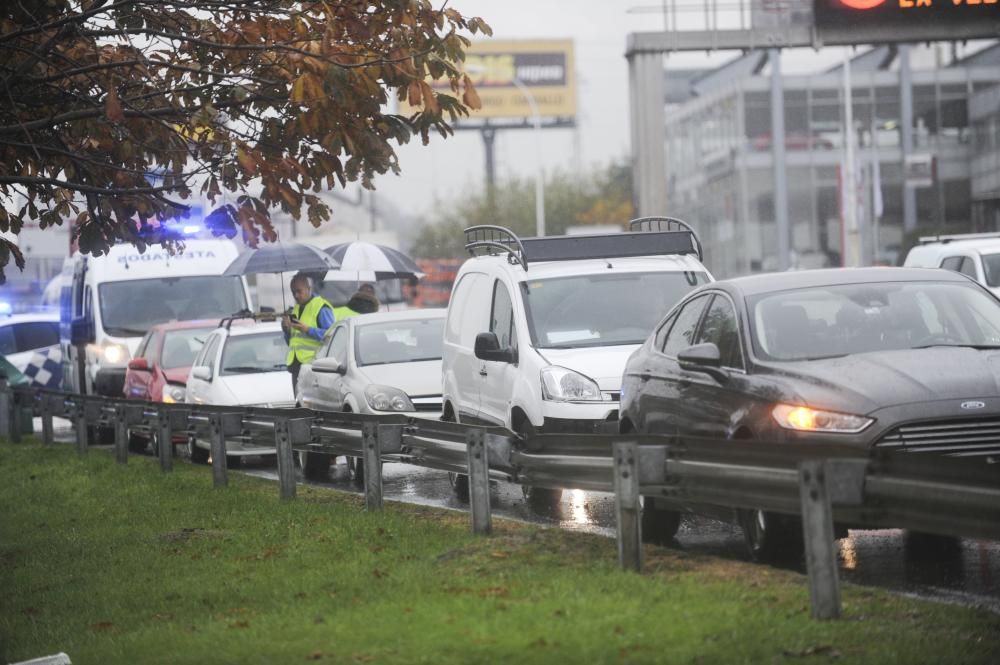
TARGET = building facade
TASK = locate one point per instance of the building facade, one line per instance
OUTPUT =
(720, 164)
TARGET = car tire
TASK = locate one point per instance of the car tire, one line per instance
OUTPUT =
(539, 498)
(772, 537)
(137, 443)
(459, 481)
(198, 454)
(315, 466)
(459, 486)
(659, 525)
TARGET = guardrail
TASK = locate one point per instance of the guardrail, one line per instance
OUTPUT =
(821, 483)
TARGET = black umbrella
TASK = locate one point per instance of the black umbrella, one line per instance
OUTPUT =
(282, 257)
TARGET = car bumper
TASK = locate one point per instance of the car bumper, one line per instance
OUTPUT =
(239, 448)
(580, 418)
(110, 382)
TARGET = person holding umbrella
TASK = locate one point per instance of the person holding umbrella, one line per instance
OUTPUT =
(305, 325)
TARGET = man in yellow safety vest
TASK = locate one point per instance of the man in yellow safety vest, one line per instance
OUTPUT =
(305, 325)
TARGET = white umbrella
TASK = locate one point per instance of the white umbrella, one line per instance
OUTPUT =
(367, 262)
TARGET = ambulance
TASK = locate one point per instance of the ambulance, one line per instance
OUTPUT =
(109, 302)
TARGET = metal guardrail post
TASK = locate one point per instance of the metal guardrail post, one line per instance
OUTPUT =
(121, 434)
(479, 481)
(373, 466)
(286, 461)
(627, 506)
(48, 435)
(218, 450)
(817, 528)
(80, 421)
(5, 410)
(165, 437)
(14, 416)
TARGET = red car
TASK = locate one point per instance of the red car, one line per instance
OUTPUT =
(159, 370)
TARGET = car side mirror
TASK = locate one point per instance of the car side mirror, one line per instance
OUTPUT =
(138, 365)
(201, 372)
(81, 331)
(488, 348)
(329, 366)
(703, 358)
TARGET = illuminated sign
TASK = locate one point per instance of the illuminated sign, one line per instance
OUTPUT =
(904, 13)
(506, 71)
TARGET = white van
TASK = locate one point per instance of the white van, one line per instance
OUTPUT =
(976, 255)
(109, 302)
(539, 329)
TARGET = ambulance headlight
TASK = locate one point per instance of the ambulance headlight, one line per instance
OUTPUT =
(115, 354)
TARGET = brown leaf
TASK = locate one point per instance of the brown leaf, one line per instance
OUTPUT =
(103, 626)
(113, 107)
(315, 655)
(470, 97)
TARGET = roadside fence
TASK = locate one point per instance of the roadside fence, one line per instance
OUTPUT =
(823, 484)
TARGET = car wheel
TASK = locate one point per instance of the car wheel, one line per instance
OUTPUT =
(772, 537)
(459, 481)
(539, 498)
(136, 442)
(315, 466)
(659, 525)
(199, 455)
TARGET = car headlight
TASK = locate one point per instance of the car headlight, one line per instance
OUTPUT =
(806, 419)
(173, 394)
(564, 385)
(114, 354)
(387, 398)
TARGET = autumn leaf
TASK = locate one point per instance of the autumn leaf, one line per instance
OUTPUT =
(113, 107)
(470, 98)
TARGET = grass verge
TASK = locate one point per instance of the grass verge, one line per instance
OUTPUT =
(125, 564)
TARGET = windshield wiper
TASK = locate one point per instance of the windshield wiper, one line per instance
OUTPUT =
(977, 347)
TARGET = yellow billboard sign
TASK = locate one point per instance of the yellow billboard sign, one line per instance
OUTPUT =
(507, 72)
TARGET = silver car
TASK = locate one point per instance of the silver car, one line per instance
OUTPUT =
(386, 362)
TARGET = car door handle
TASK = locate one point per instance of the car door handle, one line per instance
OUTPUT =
(644, 376)
(482, 371)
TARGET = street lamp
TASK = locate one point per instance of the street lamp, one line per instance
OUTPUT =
(536, 120)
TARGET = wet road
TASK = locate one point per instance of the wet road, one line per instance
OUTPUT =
(965, 571)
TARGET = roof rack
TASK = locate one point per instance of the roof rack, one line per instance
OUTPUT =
(494, 240)
(227, 321)
(660, 224)
(957, 236)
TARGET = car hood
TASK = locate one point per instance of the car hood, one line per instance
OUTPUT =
(177, 375)
(264, 388)
(416, 378)
(865, 382)
(603, 364)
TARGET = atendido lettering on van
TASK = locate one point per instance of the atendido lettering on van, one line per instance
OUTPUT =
(162, 256)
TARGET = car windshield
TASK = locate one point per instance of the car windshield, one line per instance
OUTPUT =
(602, 309)
(181, 346)
(256, 353)
(831, 321)
(398, 342)
(131, 308)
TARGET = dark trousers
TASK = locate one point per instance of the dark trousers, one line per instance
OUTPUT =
(294, 369)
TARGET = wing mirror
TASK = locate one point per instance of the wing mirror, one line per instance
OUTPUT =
(329, 366)
(488, 348)
(703, 358)
(138, 365)
(201, 372)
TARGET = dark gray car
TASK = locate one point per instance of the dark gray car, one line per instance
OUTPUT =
(898, 358)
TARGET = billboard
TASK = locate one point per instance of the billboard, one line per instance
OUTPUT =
(506, 71)
(897, 14)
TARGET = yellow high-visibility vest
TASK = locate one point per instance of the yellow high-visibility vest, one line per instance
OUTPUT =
(345, 312)
(301, 345)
